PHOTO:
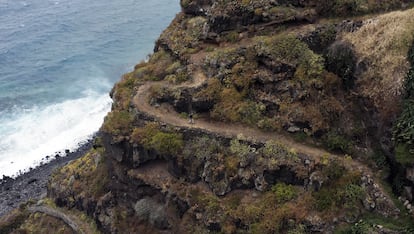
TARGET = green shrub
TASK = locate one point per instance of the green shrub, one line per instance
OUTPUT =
(151, 137)
(380, 159)
(341, 190)
(403, 154)
(333, 171)
(212, 91)
(340, 60)
(337, 142)
(269, 124)
(403, 134)
(251, 112)
(205, 200)
(273, 149)
(240, 149)
(160, 65)
(290, 50)
(323, 199)
(284, 192)
(347, 196)
(352, 195)
(118, 122)
(277, 150)
(232, 106)
(202, 148)
(228, 106)
(167, 143)
(300, 136)
(185, 3)
(123, 91)
(232, 37)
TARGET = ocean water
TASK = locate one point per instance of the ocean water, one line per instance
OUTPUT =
(58, 61)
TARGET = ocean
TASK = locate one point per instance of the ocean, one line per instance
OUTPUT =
(58, 61)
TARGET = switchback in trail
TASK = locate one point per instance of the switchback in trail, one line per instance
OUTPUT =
(142, 103)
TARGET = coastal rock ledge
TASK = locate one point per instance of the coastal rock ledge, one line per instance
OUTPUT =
(252, 117)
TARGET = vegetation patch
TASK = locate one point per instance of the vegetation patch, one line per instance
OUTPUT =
(237, 76)
(288, 49)
(118, 123)
(86, 176)
(382, 45)
(341, 60)
(337, 142)
(342, 190)
(123, 91)
(337, 8)
(203, 148)
(184, 35)
(161, 65)
(274, 149)
(284, 192)
(404, 126)
(164, 142)
(14, 220)
(370, 223)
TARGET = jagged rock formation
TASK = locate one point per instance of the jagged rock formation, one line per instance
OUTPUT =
(294, 113)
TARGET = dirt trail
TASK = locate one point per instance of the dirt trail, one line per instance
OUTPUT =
(141, 102)
(73, 222)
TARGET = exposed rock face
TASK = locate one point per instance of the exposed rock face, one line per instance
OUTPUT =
(152, 212)
(251, 87)
(376, 198)
(171, 194)
(197, 7)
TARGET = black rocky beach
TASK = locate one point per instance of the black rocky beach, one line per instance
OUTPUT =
(33, 184)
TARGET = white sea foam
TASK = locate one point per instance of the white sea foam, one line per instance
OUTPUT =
(40, 132)
(48, 59)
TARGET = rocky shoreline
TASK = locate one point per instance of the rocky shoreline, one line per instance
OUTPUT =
(33, 184)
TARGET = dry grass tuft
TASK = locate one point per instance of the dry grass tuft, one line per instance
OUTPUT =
(382, 44)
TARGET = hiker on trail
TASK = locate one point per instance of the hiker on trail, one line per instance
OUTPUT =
(191, 120)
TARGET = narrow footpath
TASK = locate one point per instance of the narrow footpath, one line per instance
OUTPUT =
(73, 222)
(142, 103)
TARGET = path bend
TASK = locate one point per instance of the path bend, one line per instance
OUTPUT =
(142, 102)
(73, 222)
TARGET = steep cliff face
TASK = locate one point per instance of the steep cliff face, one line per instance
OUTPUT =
(257, 117)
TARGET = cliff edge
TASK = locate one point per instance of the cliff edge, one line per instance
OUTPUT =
(257, 117)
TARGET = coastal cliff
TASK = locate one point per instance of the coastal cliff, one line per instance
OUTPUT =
(254, 117)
